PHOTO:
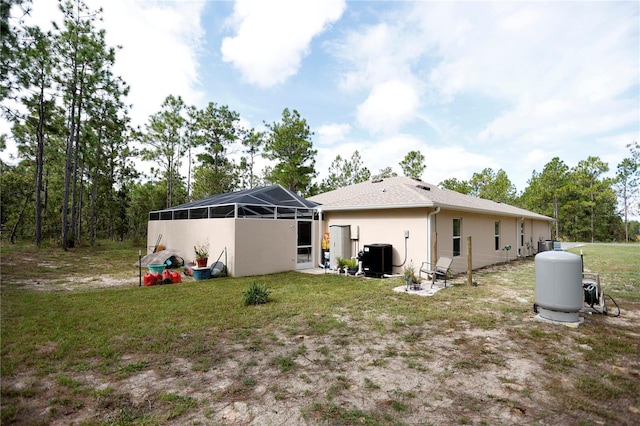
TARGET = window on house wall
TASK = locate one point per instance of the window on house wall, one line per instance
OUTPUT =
(496, 236)
(457, 241)
(521, 234)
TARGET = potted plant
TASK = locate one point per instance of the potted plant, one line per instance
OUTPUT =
(351, 266)
(341, 264)
(202, 254)
(410, 278)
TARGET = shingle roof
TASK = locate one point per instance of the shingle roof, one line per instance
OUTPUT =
(405, 192)
(274, 195)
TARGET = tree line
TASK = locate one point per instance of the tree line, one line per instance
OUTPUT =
(586, 205)
(77, 174)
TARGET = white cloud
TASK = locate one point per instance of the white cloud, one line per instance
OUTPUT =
(330, 134)
(377, 54)
(551, 121)
(272, 37)
(520, 20)
(547, 76)
(159, 57)
(160, 45)
(571, 79)
(454, 161)
(388, 107)
(537, 156)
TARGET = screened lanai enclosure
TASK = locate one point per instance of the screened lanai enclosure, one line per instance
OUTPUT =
(258, 231)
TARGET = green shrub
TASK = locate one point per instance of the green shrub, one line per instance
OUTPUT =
(351, 263)
(256, 294)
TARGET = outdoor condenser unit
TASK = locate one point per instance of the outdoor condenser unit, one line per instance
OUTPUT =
(376, 260)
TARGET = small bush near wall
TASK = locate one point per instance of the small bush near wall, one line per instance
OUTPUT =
(256, 294)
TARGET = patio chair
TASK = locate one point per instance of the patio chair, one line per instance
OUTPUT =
(441, 269)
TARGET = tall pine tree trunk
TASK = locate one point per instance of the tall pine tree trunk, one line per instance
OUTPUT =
(39, 165)
(67, 177)
(94, 193)
(170, 184)
(75, 203)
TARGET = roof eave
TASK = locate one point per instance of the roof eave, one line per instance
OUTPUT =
(495, 212)
(431, 205)
(375, 207)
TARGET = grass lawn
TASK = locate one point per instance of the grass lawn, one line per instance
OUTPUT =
(82, 343)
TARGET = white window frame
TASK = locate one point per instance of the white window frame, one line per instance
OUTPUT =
(457, 238)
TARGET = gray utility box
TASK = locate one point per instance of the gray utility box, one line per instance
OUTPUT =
(339, 243)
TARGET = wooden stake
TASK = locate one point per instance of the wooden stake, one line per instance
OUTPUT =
(434, 249)
(140, 268)
(469, 262)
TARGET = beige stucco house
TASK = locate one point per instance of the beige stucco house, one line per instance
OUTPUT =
(270, 229)
(422, 222)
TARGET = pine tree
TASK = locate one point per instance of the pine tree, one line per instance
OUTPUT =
(289, 145)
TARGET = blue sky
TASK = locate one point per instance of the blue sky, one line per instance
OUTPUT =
(505, 85)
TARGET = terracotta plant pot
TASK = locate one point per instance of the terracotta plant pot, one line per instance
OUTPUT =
(202, 262)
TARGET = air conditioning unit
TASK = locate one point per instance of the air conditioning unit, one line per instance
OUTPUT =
(376, 260)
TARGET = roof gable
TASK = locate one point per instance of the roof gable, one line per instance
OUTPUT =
(406, 192)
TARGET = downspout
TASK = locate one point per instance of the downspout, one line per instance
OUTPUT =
(429, 233)
(319, 242)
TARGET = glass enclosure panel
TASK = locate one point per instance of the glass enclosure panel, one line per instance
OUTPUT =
(154, 216)
(180, 214)
(286, 213)
(305, 214)
(201, 213)
(221, 212)
(256, 212)
(166, 216)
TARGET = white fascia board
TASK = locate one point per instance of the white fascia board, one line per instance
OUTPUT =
(431, 205)
(375, 207)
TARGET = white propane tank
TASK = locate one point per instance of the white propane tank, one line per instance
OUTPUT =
(559, 285)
